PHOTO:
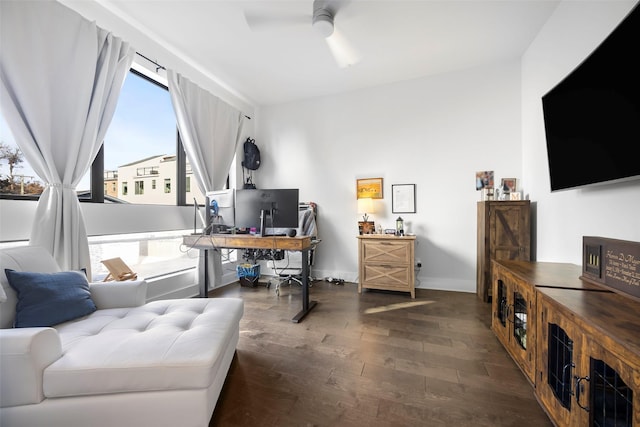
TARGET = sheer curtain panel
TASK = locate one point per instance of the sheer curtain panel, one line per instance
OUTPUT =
(209, 128)
(60, 76)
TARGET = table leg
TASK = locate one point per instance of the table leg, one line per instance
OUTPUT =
(203, 273)
(307, 305)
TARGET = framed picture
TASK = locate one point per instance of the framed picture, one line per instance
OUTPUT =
(369, 188)
(366, 227)
(508, 185)
(403, 198)
(484, 179)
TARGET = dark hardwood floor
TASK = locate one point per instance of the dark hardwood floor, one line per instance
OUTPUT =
(376, 359)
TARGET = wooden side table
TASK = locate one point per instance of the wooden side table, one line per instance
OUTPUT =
(386, 262)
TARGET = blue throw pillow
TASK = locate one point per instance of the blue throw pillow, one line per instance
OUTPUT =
(46, 299)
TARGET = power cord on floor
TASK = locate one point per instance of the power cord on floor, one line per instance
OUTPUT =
(334, 281)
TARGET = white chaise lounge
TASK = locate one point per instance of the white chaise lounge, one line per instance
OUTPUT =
(128, 363)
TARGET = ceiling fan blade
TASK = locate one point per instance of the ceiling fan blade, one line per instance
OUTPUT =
(343, 52)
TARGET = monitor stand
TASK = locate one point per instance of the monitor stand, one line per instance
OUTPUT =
(263, 222)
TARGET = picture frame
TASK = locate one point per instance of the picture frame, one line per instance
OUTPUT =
(366, 227)
(403, 198)
(369, 188)
(484, 180)
(508, 185)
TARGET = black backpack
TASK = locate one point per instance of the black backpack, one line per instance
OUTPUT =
(251, 155)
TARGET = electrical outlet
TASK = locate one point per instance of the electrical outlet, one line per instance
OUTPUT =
(418, 264)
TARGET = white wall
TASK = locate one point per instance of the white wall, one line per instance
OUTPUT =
(562, 218)
(433, 132)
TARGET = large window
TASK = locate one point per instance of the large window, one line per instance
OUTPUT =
(140, 145)
(141, 141)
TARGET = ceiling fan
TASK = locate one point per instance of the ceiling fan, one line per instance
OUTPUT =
(321, 19)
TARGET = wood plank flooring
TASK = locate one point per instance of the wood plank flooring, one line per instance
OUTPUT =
(376, 359)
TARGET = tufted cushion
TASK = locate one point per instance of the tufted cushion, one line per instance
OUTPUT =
(167, 344)
(46, 299)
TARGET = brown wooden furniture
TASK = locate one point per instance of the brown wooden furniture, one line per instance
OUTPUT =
(386, 262)
(504, 232)
(589, 363)
(514, 305)
(581, 341)
(248, 241)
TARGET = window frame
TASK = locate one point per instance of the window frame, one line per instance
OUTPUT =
(97, 190)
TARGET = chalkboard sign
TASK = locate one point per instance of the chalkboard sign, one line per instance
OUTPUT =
(612, 263)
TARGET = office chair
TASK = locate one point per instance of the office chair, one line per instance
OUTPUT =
(288, 273)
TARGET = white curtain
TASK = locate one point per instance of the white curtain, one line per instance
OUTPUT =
(209, 128)
(61, 76)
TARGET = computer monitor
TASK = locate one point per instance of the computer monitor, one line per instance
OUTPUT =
(220, 210)
(264, 210)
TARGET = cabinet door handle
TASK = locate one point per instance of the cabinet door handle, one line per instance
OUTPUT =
(577, 393)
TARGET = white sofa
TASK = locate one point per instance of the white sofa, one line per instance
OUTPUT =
(129, 363)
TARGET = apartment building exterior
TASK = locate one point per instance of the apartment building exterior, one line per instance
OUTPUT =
(149, 181)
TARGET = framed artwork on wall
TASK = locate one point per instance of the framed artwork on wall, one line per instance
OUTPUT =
(403, 198)
(369, 188)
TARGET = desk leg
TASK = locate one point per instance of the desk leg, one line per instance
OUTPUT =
(203, 273)
(307, 305)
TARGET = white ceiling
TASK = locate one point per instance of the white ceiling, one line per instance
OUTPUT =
(397, 40)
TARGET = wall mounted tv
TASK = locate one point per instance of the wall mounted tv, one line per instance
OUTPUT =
(592, 117)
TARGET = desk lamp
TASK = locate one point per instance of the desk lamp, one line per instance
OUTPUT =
(365, 207)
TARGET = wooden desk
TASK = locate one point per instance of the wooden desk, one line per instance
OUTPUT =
(247, 241)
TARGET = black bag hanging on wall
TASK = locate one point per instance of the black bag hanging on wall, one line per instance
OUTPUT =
(251, 155)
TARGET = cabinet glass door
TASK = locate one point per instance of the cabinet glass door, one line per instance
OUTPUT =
(520, 319)
(560, 364)
(611, 399)
(502, 303)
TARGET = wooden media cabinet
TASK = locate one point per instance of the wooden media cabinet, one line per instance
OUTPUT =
(576, 341)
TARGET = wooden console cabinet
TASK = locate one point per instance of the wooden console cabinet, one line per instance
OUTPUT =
(577, 342)
(504, 232)
(589, 363)
(386, 262)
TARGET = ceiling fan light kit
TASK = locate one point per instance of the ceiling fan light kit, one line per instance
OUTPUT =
(323, 22)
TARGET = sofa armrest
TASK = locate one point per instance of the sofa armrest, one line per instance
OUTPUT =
(130, 293)
(24, 354)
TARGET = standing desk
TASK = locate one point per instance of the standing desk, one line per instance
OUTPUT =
(210, 242)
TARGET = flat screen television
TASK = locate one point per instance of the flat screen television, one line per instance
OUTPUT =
(592, 117)
(220, 210)
(278, 208)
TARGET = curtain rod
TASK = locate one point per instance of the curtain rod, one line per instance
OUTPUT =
(160, 67)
